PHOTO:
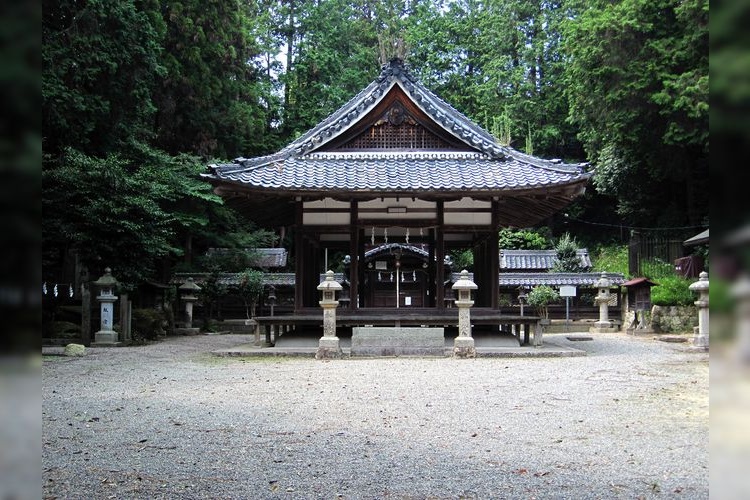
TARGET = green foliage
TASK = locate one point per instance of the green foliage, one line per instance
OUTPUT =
(148, 324)
(498, 62)
(212, 290)
(122, 213)
(211, 101)
(672, 291)
(540, 297)
(637, 84)
(462, 259)
(250, 288)
(566, 251)
(611, 259)
(522, 239)
(101, 62)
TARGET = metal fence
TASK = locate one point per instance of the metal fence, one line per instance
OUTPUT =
(654, 254)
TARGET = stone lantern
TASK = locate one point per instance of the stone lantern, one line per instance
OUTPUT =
(189, 295)
(272, 298)
(463, 345)
(328, 346)
(522, 298)
(700, 339)
(604, 325)
(106, 284)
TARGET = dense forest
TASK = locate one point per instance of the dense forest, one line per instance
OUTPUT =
(139, 95)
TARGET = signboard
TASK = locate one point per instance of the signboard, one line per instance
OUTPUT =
(567, 291)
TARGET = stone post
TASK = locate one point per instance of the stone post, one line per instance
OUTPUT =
(328, 346)
(106, 336)
(604, 325)
(188, 295)
(700, 338)
(463, 345)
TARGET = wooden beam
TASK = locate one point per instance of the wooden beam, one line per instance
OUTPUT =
(354, 244)
(439, 262)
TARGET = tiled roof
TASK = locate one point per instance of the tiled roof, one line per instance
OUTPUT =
(491, 167)
(536, 259)
(551, 279)
(378, 172)
(230, 279)
(261, 257)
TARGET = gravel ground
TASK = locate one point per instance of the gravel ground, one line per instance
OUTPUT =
(170, 420)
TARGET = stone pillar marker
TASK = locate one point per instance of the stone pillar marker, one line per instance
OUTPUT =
(189, 295)
(463, 345)
(604, 325)
(328, 346)
(700, 339)
(106, 336)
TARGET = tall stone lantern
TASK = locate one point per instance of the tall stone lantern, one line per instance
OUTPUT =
(328, 346)
(463, 345)
(189, 296)
(700, 339)
(106, 336)
(604, 325)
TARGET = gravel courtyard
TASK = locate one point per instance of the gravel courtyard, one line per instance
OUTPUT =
(171, 420)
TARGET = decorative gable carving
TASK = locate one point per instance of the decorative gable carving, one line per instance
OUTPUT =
(395, 130)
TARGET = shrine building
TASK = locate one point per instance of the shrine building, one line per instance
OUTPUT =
(395, 179)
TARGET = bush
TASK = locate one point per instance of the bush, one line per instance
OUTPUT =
(611, 259)
(540, 297)
(148, 324)
(673, 291)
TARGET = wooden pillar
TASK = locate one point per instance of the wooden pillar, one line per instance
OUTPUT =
(354, 243)
(440, 257)
(431, 266)
(299, 258)
(494, 249)
(86, 315)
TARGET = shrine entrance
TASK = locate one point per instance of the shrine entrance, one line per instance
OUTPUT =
(397, 275)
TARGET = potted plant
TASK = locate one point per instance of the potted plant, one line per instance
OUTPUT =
(540, 297)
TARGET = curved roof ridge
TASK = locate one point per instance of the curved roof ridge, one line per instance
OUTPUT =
(396, 72)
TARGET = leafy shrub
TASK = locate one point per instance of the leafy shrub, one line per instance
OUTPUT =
(148, 324)
(542, 296)
(522, 239)
(611, 259)
(673, 291)
(566, 251)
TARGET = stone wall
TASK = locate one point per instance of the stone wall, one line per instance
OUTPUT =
(674, 319)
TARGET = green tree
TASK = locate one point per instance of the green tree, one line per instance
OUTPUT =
(522, 239)
(250, 288)
(566, 253)
(332, 49)
(498, 62)
(540, 297)
(121, 213)
(211, 102)
(637, 83)
(101, 60)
